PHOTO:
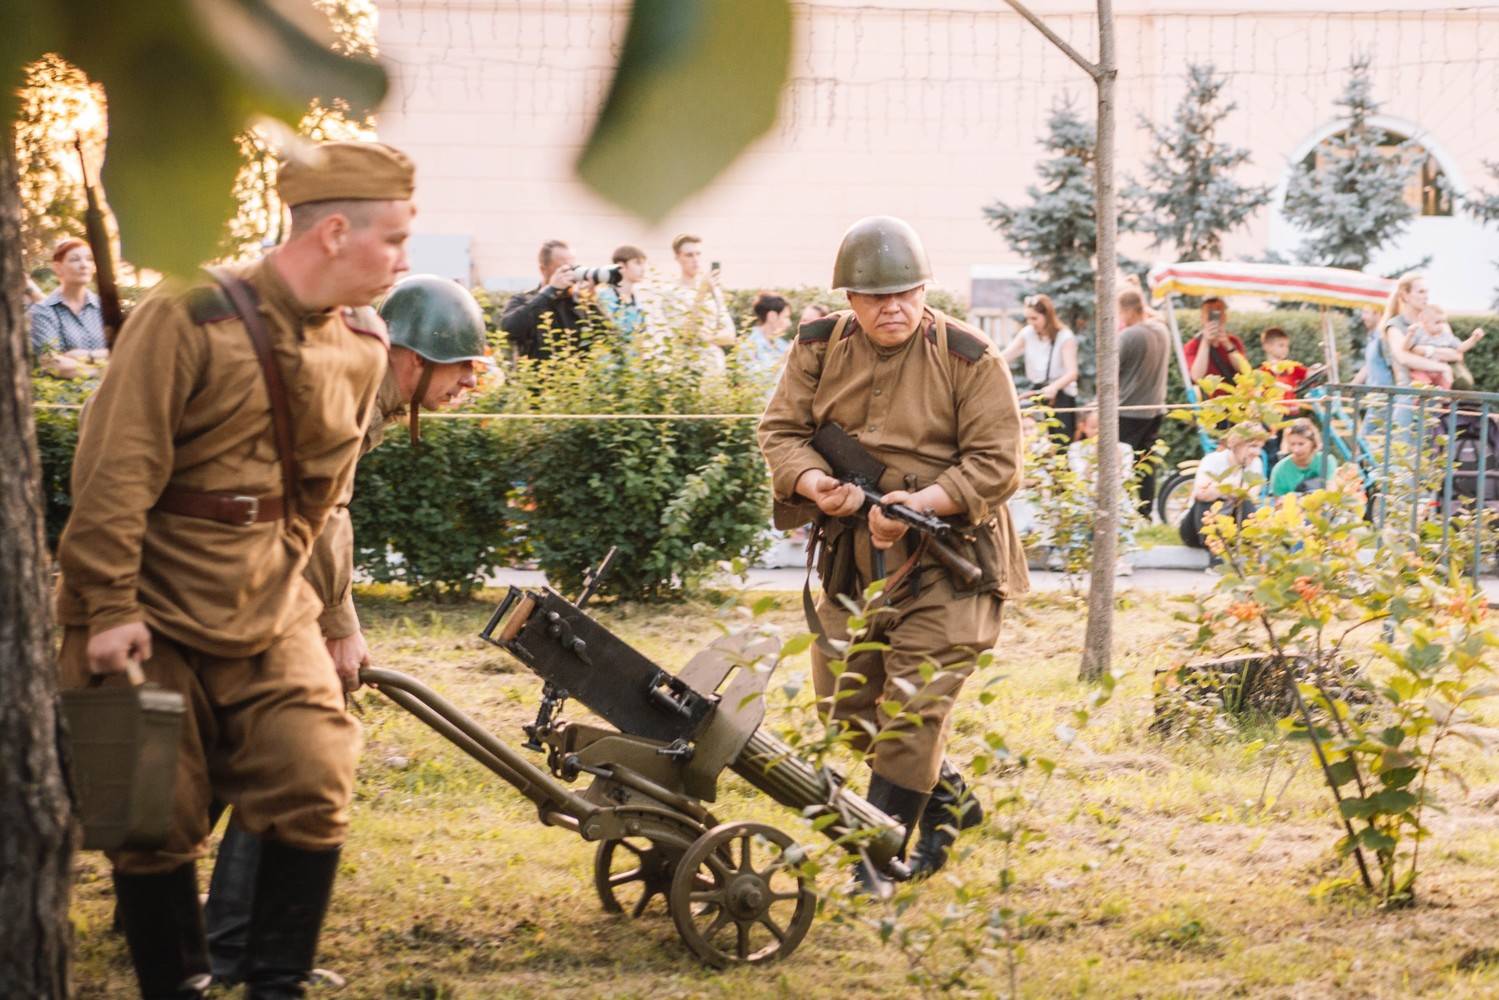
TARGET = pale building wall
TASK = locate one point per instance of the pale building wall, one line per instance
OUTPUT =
(927, 112)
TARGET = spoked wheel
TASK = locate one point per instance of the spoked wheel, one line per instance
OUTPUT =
(1174, 498)
(736, 900)
(630, 872)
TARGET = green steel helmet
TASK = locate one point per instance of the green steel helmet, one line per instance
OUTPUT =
(435, 317)
(880, 255)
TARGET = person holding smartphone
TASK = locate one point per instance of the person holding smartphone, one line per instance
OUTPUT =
(1215, 351)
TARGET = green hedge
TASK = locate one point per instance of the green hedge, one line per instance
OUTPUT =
(438, 517)
(676, 496)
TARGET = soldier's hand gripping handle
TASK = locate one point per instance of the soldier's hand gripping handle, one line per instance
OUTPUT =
(120, 650)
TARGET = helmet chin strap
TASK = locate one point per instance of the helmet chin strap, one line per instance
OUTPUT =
(417, 397)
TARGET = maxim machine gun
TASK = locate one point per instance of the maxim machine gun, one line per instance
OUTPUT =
(733, 889)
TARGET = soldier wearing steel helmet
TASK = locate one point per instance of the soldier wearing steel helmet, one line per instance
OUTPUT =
(929, 397)
(437, 343)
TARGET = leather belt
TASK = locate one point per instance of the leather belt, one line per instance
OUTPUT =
(227, 508)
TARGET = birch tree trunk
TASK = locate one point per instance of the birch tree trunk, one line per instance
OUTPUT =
(1099, 638)
(36, 825)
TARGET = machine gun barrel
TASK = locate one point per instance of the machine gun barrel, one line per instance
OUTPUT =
(774, 768)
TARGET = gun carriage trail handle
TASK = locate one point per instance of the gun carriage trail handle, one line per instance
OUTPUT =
(653, 768)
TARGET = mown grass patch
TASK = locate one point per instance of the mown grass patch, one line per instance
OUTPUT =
(1163, 871)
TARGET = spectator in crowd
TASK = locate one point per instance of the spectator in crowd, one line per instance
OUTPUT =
(765, 348)
(1215, 351)
(67, 327)
(811, 312)
(1144, 359)
(1082, 459)
(1306, 466)
(1226, 477)
(695, 302)
(1050, 351)
(536, 321)
(1277, 347)
(618, 301)
(1403, 312)
(1433, 330)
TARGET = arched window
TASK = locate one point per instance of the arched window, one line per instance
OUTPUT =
(1427, 190)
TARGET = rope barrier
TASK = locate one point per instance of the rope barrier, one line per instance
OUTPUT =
(471, 415)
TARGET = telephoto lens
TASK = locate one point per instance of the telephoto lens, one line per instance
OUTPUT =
(611, 275)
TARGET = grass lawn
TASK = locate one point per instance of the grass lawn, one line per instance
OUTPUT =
(1162, 872)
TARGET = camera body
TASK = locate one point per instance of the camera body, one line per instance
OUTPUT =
(610, 275)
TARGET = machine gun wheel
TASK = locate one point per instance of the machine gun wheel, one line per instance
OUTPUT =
(739, 878)
(631, 871)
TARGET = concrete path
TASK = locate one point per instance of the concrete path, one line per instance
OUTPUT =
(784, 579)
(1143, 580)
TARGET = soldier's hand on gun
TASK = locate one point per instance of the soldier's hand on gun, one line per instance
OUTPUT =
(884, 531)
(833, 498)
(114, 649)
(349, 653)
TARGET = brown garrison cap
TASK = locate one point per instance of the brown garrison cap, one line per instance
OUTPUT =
(340, 171)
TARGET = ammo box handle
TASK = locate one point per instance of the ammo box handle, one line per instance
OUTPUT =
(132, 670)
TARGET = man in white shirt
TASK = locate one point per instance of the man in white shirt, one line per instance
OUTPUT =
(695, 302)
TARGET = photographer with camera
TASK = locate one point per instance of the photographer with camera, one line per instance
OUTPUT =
(616, 292)
(527, 313)
(1215, 351)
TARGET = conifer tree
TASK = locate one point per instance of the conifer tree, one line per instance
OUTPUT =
(1058, 231)
(1350, 199)
(1484, 206)
(1189, 200)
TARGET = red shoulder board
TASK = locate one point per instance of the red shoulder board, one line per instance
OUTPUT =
(367, 321)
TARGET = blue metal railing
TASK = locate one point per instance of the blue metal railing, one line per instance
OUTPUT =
(1417, 449)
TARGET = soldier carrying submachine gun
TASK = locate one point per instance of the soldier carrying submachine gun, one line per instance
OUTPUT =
(889, 416)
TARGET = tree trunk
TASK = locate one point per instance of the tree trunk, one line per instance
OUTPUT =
(36, 813)
(1099, 637)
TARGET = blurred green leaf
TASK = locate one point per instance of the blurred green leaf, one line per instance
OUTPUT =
(183, 77)
(696, 84)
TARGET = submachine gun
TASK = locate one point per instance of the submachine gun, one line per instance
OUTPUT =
(853, 465)
(732, 889)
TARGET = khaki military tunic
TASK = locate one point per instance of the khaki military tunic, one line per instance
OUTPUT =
(331, 568)
(940, 408)
(233, 621)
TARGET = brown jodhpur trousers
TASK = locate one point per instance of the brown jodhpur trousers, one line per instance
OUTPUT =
(939, 629)
(267, 734)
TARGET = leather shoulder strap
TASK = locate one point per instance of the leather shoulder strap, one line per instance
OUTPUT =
(247, 306)
(963, 341)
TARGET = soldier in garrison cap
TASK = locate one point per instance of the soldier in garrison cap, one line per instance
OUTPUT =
(222, 438)
(437, 345)
(929, 397)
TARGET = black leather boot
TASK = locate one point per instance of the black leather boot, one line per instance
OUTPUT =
(905, 806)
(231, 898)
(951, 808)
(163, 926)
(292, 888)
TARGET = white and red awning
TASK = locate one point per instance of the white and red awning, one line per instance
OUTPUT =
(1328, 286)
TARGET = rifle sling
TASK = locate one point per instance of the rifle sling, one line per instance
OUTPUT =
(809, 608)
(247, 305)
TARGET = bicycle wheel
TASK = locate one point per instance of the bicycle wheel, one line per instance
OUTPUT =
(1174, 498)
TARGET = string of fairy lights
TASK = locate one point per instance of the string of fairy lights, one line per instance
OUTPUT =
(949, 73)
